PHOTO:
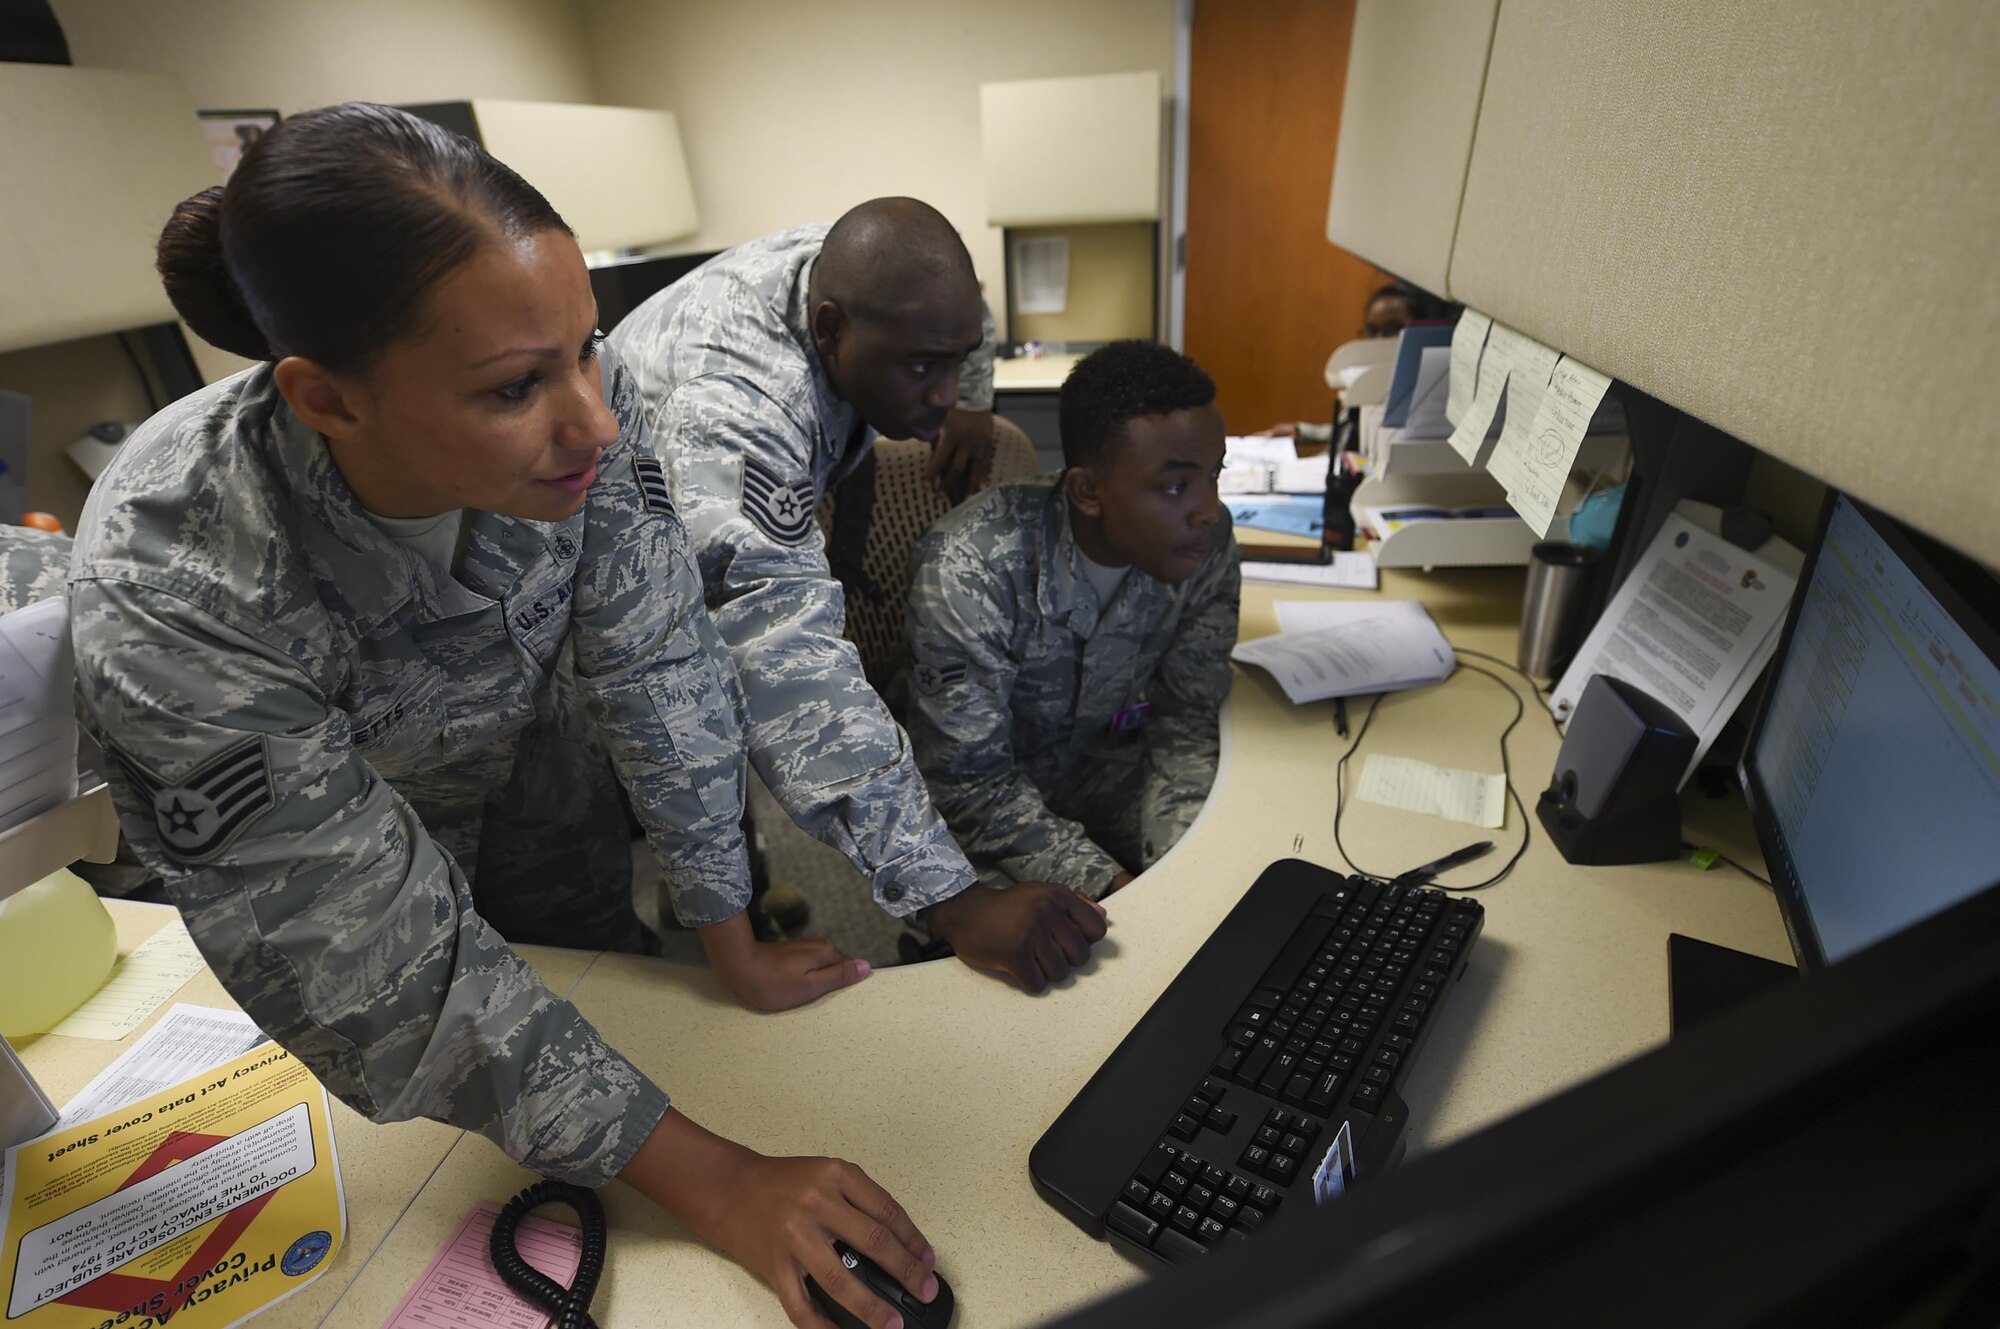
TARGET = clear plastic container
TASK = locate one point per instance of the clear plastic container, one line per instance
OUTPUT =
(57, 946)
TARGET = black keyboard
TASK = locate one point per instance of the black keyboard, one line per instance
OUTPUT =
(1284, 1039)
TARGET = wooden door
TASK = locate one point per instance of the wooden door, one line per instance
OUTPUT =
(1267, 297)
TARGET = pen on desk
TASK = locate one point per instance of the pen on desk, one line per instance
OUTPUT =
(1423, 874)
(1340, 716)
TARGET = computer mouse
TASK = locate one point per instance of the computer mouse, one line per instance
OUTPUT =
(935, 1314)
(107, 431)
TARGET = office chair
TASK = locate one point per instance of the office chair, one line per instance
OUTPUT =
(904, 506)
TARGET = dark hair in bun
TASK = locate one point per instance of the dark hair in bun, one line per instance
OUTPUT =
(334, 226)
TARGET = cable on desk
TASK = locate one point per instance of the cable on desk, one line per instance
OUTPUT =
(1506, 772)
(1724, 858)
(1526, 677)
(569, 1305)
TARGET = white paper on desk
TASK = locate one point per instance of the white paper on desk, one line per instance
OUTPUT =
(1348, 571)
(1318, 615)
(1534, 463)
(1468, 340)
(139, 983)
(1244, 477)
(1268, 449)
(187, 1041)
(1471, 797)
(1041, 274)
(1382, 652)
(1693, 625)
(1302, 475)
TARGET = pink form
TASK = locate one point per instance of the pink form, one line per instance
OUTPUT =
(461, 1289)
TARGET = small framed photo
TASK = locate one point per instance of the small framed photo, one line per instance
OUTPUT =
(230, 133)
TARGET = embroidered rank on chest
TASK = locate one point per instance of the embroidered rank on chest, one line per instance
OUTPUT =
(652, 479)
(781, 508)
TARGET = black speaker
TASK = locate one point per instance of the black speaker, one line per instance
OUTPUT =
(1613, 799)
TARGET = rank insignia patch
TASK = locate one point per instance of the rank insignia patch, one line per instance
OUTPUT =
(653, 483)
(782, 509)
(932, 679)
(199, 817)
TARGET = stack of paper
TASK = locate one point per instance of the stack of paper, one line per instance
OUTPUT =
(1344, 648)
(1347, 571)
(1254, 464)
(1693, 625)
(37, 715)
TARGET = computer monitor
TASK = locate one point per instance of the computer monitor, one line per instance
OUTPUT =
(1873, 766)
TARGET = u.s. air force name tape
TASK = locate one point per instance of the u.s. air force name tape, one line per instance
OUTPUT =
(216, 802)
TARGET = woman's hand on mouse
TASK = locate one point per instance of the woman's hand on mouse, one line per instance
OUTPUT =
(1034, 932)
(776, 975)
(779, 1218)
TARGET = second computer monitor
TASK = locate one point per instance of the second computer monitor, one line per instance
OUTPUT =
(1873, 768)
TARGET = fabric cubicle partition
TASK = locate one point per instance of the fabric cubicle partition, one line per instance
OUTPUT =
(1413, 79)
(1781, 218)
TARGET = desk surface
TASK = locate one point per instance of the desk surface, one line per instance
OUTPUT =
(938, 1080)
(1044, 373)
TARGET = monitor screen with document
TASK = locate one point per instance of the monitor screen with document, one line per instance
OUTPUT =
(1873, 768)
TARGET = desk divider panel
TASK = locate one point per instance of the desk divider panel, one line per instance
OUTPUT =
(1406, 123)
(1780, 218)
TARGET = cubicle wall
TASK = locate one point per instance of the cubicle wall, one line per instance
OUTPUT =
(1413, 82)
(1781, 218)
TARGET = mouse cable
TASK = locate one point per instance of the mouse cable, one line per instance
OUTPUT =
(1526, 677)
(1506, 771)
(570, 1306)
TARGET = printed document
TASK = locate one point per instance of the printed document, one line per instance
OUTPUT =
(1368, 648)
(461, 1290)
(1692, 626)
(200, 1204)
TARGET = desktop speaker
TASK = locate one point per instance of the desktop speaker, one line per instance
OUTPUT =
(1613, 798)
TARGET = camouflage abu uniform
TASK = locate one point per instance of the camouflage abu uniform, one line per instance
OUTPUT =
(294, 705)
(1017, 674)
(33, 566)
(753, 437)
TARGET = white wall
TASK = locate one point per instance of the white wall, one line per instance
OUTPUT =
(795, 110)
(297, 54)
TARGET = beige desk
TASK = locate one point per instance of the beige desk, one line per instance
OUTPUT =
(938, 1080)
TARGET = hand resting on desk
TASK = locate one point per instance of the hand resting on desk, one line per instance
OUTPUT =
(1034, 932)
